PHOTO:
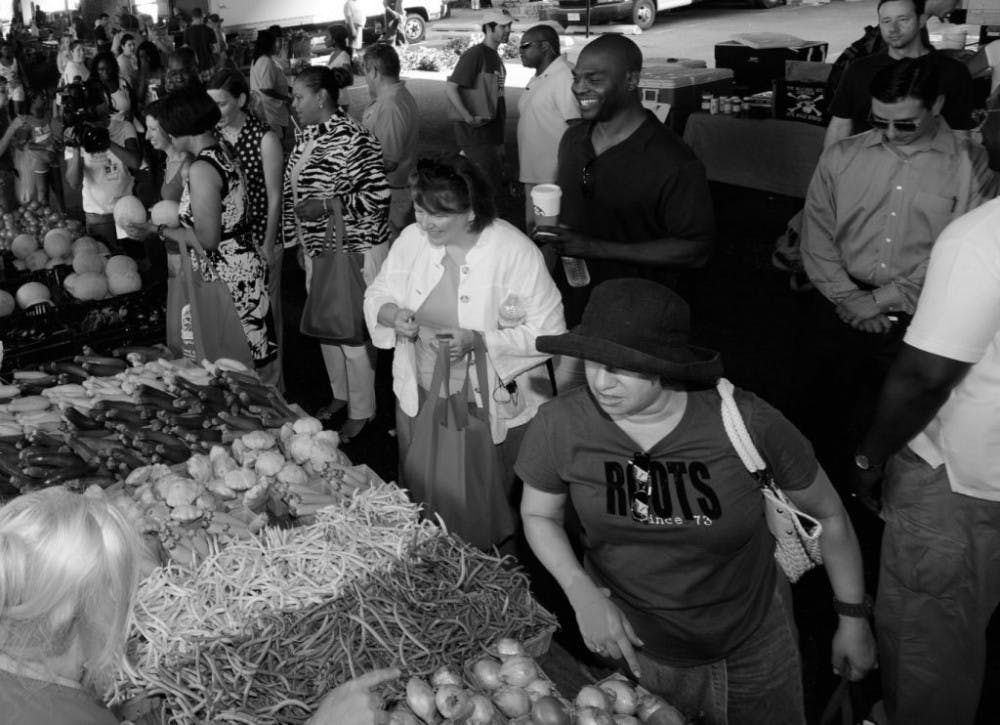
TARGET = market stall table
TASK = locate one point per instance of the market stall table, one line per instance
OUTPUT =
(766, 154)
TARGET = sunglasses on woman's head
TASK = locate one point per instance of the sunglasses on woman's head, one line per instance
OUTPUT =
(428, 168)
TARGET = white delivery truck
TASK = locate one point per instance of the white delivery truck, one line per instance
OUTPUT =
(257, 14)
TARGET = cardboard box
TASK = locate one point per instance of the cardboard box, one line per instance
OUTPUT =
(681, 87)
(804, 101)
(755, 69)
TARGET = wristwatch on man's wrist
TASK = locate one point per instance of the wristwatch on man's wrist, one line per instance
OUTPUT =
(861, 611)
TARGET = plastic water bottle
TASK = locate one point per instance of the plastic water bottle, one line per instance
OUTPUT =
(575, 269)
(511, 313)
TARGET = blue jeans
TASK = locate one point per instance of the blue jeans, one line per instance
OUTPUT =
(939, 583)
(758, 683)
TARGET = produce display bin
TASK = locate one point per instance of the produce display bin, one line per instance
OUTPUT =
(682, 87)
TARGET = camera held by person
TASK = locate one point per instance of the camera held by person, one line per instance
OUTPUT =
(81, 103)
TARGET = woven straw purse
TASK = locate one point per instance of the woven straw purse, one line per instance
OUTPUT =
(796, 534)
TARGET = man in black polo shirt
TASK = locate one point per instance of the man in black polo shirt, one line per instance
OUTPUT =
(901, 23)
(635, 201)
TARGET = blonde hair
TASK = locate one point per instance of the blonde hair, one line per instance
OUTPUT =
(68, 571)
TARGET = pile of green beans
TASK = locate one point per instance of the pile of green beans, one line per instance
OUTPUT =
(441, 605)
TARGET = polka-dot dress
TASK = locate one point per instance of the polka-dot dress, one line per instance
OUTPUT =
(246, 149)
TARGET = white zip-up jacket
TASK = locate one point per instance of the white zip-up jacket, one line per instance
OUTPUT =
(503, 261)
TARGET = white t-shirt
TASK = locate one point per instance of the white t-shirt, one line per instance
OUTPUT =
(958, 317)
(72, 70)
(545, 107)
(992, 51)
(105, 178)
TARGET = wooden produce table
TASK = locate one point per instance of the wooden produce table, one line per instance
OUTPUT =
(766, 154)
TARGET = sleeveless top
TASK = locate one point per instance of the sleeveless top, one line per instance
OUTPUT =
(246, 151)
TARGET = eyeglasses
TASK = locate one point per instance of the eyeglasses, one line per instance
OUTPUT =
(526, 45)
(587, 179)
(638, 468)
(901, 126)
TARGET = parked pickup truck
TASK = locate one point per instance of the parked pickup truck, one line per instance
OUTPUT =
(639, 12)
(257, 14)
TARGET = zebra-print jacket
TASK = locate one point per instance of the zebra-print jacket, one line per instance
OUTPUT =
(337, 158)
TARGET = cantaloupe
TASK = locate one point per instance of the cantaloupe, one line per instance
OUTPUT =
(102, 248)
(23, 245)
(88, 262)
(87, 286)
(31, 293)
(36, 260)
(6, 303)
(58, 242)
(57, 262)
(122, 283)
(85, 244)
(129, 211)
(120, 264)
(165, 212)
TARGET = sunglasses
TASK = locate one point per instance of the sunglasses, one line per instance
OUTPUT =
(639, 504)
(901, 126)
(430, 169)
(525, 46)
(587, 180)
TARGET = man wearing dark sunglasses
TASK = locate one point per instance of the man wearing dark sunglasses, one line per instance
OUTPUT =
(876, 204)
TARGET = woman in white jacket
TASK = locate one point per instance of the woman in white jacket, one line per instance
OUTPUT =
(460, 271)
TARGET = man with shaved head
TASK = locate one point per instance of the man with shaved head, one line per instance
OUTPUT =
(545, 107)
(635, 199)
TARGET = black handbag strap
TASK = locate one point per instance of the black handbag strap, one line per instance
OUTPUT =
(479, 347)
(840, 702)
(335, 226)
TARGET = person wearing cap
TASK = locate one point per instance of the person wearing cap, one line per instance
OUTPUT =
(679, 581)
(481, 137)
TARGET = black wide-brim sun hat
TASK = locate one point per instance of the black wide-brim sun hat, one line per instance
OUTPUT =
(637, 325)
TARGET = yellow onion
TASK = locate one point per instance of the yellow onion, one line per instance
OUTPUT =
(666, 714)
(446, 675)
(593, 716)
(590, 696)
(486, 670)
(624, 699)
(538, 688)
(420, 698)
(547, 710)
(508, 647)
(452, 701)
(518, 671)
(482, 711)
(512, 701)
(627, 720)
(402, 716)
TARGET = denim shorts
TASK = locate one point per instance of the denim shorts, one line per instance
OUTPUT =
(758, 683)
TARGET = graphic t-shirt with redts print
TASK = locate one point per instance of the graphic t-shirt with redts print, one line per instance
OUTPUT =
(686, 554)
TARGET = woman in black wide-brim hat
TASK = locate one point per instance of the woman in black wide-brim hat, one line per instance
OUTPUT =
(679, 581)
